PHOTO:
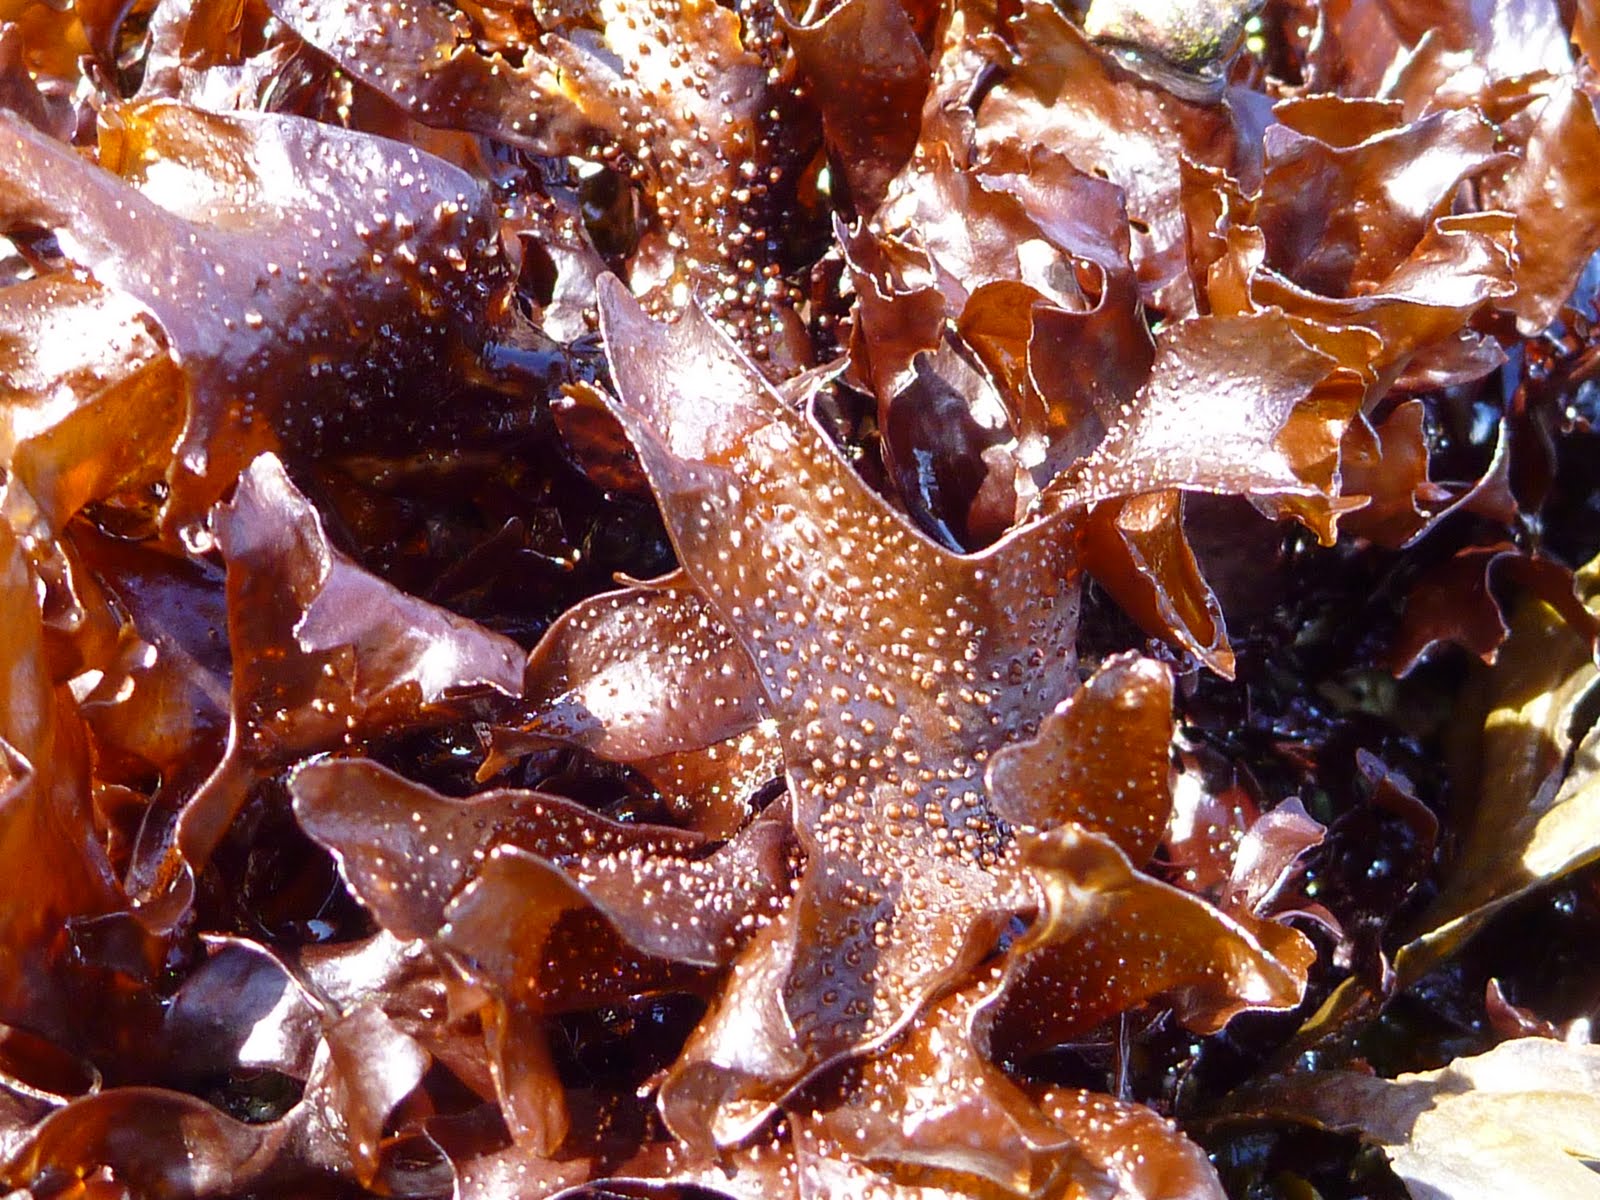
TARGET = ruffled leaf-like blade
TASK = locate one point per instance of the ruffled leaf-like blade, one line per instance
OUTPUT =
(1100, 760)
(1225, 410)
(1110, 938)
(260, 245)
(966, 1125)
(99, 348)
(639, 673)
(54, 865)
(892, 666)
(545, 904)
(324, 654)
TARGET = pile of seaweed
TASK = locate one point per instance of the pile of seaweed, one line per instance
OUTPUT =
(891, 598)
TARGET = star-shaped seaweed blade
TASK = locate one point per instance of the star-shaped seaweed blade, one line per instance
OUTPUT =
(893, 666)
